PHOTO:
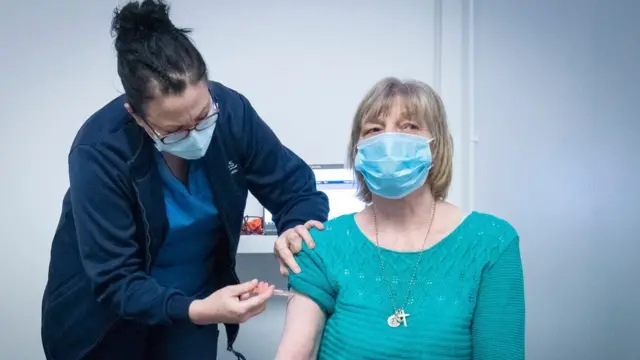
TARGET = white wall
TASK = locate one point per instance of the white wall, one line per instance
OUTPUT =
(556, 111)
(304, 66)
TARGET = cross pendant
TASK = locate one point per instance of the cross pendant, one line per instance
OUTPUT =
(402, 317)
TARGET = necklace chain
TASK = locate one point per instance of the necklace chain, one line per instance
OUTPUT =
(392, 296)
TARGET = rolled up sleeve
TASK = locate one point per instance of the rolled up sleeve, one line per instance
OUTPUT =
(314, 279)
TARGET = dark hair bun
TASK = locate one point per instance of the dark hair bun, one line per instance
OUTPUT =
(138, 20)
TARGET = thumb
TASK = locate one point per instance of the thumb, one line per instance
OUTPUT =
(237, 290)
(258, 300)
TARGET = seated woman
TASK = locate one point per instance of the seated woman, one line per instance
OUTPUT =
(411, 276)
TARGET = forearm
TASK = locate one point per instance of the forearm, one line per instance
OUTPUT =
(290, 194)
(304, 324)
(130, 292)
(311, 206)
(142, 299)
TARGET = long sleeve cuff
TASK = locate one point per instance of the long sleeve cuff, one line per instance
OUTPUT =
(178, 307)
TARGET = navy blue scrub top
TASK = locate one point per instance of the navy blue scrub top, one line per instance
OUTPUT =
(185, 259)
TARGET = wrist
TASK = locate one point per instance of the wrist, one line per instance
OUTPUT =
(195, 312)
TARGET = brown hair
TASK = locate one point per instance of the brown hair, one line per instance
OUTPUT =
(422, 104)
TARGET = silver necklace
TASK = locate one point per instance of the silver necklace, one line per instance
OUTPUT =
(399, 315)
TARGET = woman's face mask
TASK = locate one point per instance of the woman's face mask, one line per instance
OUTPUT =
(394, 164)
(192, 147)
(195, 143)
(183, 124)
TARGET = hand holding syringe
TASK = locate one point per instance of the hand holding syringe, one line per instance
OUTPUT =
(264, 286)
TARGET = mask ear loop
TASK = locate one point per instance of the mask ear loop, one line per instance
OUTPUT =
(429, 141)
(156, 134)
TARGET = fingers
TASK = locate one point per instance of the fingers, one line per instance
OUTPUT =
(303, 232)
(294, 238)
(290, 243)
(240, 289)
(257, 303)
(261, 287)
(256, 310)
(286, 257)
(283, 269)
(283, 252)
(253, 312)
(246, 300)
(282, 243)
(314, 223)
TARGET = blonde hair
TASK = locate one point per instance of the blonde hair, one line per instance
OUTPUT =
(422, 104)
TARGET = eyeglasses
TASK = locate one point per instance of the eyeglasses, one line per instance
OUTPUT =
(203, 124)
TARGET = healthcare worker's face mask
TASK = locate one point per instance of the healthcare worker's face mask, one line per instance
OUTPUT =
(190, 144)
(394, 164)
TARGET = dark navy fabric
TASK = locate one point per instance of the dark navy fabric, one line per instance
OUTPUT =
(185, 259)
(163, 342)
(113, 223)
(127, 335)
(184, 341)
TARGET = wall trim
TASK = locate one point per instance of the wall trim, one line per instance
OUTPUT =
(454, 81)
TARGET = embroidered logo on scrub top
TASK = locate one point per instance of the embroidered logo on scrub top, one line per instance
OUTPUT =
(233, 168)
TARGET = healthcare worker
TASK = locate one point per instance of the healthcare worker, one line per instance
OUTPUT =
(143, 259)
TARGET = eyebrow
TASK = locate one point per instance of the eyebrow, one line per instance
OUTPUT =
(201, 116)
(373, 121)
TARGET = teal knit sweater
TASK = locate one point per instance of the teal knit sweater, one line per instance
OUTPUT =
(467, 303)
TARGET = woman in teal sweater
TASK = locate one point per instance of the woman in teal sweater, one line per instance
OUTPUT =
(411, 276)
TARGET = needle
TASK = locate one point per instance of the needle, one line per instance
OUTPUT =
(279, 292)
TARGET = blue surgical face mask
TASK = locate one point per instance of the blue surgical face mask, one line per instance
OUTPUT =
(193, 147)
(394, 164)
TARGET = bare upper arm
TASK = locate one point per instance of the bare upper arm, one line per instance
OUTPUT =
(304, 324)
